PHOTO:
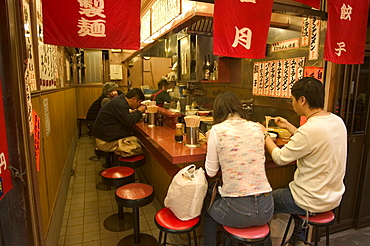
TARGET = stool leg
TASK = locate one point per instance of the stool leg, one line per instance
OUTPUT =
(121, 215)
(165, 239)
(327, 236)
(160, 238)
(286, 231)
(136, 225)
(195, 238)
(317, 235)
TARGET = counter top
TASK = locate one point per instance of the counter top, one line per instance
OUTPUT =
(163, 139)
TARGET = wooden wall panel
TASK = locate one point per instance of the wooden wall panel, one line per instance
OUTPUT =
(85, 96)
(37, 106)
(55, 147)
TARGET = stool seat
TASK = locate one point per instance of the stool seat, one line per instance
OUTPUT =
(321, 219)
(317, 221)
(248, 235)
(132, 161)
(167, 220)
(255, 232)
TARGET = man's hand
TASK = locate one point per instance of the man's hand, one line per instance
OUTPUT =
(285, 124)
(142, 108)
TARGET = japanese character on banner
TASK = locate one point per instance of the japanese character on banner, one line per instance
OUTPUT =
(313, 53)
(261, 79)
(272, 78)
(342, 46)
(255, 78)
(266, 84)
(278, 81)
(109, 24)
(305, 32)
(241, 28)
(5, 174)
(314, 72)
(286, 77)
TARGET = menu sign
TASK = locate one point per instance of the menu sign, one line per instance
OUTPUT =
(275, 78)
(5, 174)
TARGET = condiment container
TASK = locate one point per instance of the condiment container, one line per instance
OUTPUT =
(179, 133)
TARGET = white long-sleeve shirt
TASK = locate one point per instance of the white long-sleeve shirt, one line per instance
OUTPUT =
(320, 148)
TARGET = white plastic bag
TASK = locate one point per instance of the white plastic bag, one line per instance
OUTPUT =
(186, 193)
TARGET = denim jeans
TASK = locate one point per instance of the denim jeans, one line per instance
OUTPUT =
(236, 212)
(284, 203)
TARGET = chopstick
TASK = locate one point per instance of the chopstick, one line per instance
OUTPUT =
(267, 119)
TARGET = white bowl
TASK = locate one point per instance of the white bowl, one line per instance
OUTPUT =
(273, 136)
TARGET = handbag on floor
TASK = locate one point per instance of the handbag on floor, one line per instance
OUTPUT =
(186, 193)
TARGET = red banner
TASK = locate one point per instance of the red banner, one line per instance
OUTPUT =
(100, 24)
(241, 28)
(313, 3)
(346, 35)
(5, 174)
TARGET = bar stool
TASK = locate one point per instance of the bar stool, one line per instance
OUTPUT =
(118, 176)
(108, 163)
(167, 222)
(248, 235)
(318, 221)
(136, 195)
(132, 161)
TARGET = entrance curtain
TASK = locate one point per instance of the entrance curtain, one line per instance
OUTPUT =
(346, 34)
(241, 28)
(100, 24)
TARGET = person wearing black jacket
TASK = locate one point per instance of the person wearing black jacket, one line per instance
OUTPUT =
(109, 91)
(116, 119)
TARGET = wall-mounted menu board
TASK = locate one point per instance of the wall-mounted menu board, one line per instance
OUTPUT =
(164, 11)
(275, 78)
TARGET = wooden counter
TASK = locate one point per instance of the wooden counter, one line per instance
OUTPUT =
(165, 158)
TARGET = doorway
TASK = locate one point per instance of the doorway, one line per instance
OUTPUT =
(352, 105)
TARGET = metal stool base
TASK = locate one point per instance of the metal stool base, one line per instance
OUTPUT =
(102, 186)
(145, 240)
(113, 223)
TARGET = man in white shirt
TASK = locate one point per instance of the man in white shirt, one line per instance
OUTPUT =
(319, 148)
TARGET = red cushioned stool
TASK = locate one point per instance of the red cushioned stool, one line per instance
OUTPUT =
(132, 161)
(248, 235)
(318, 221)
(167, 222)
(118, 176)
(133, 196)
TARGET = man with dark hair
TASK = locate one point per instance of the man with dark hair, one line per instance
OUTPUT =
(115, 120)
(161, 95)
(319, 148)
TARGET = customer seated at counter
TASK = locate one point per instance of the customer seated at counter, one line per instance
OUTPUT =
(236, 145)
(109, 91)
(320, 149)
(161, 95)
(115, 121)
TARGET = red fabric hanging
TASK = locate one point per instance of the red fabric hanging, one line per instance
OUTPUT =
(241, 28)
(5, 174)
(313, 3)
(346, 35)
(108, 24)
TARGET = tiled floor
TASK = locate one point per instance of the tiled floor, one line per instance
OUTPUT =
(87, 208)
